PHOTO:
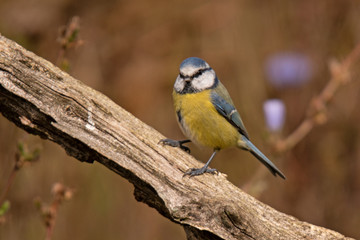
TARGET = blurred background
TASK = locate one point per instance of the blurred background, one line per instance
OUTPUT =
(131, 51)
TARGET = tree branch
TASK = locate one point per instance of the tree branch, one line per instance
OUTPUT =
(43, 100)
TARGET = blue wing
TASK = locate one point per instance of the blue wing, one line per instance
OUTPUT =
(228, 111)
(222, 102)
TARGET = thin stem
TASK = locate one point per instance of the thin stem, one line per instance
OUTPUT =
(340, 75)
(8, 185)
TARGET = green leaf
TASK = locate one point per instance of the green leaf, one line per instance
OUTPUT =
(4, 208)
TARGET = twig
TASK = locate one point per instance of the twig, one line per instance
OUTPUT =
(340, 75)
(49, 212)
(68, 38)
(22, 156)
(316, 115)
(8, 185)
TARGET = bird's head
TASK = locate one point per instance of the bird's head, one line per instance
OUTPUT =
(195, 76)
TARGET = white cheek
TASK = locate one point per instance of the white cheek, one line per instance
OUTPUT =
(204, 81)
(179, 84)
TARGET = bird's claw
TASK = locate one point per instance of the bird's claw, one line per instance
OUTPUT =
(199, 171)
(175, 143)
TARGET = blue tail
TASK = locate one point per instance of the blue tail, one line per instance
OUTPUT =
(260, 156)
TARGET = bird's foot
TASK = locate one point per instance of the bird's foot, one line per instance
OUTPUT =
(199, 171)
(175, 143)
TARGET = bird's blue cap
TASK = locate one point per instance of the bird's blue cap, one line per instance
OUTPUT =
(194, 62)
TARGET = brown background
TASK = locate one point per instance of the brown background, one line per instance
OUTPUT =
(131, 53)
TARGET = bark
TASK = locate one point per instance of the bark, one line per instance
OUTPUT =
(40, 98)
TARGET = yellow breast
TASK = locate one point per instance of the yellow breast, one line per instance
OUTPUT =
(202, 123)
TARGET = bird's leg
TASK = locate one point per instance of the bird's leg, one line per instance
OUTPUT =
(198, 171)
(176, 143)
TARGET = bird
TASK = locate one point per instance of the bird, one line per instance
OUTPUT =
(207, 116)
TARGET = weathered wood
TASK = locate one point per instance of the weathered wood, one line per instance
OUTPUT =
(43, 100)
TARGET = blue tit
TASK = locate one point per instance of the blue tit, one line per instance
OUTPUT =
(207, 116)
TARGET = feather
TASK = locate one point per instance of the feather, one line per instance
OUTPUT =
(226, 109)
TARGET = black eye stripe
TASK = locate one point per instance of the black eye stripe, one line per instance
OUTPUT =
(198, 73)
(181, 75)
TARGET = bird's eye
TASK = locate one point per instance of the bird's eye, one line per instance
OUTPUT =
(199, 72)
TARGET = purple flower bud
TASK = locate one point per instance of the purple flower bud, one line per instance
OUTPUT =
(274, 110)
(288, 69)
